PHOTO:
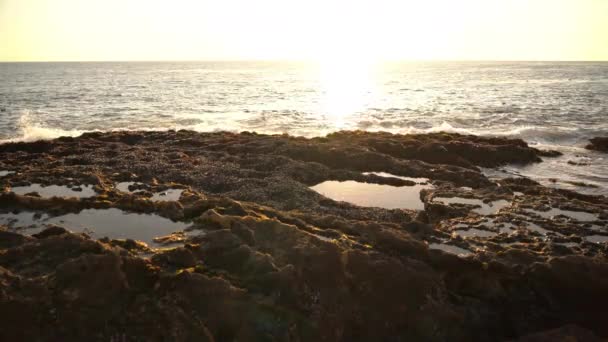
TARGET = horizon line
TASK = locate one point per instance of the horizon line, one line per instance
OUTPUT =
(307, 61)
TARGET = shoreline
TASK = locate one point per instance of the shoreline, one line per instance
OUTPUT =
(267, 256)
(581, 165)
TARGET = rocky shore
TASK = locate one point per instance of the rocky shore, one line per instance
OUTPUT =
(251, 252)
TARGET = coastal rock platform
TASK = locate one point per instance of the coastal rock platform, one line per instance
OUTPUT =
(222, 237)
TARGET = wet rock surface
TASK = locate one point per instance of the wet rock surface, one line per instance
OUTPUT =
(265, 257)
(598, 144)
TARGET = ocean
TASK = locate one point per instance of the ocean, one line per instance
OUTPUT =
(551, 105)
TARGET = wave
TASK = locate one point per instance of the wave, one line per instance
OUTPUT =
(530, 133)
(29, 130)
(32, 131)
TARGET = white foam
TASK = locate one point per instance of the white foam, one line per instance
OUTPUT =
(32, 131)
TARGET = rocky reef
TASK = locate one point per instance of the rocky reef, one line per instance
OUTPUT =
(221, 237)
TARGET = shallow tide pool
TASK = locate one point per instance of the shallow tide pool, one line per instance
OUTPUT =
(55, 190)
(484, 208)
(373, 195)
(473, 232)
(112, 223)
(597, 238)
(461, 252)
(576, 215)
(167, 195)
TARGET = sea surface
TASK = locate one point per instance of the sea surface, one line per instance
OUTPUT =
(549, 104)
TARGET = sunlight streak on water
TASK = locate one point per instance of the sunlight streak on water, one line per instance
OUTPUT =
(346, 88)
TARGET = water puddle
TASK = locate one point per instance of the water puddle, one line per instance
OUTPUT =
(597, 238)
(484, 208)
(473, 232)
(112, 223)
(56, 190)
(507, 228)
(374, 195)
(567, 244)
(5, 173)
(23, 220)
(461, 252)
(536, 228)
(575, 215)
(468, 230)
(503, 227)
(167, 195)
(124, 186)
(388, 175)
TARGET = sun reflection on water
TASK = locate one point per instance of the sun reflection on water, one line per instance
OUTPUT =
(346, 89)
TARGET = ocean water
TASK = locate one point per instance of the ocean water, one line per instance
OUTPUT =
(550, 105)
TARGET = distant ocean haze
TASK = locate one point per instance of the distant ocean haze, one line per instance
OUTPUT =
(551, 105)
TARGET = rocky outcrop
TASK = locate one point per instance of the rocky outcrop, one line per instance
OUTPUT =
(266, 258)
(598, 144)
(563, 334)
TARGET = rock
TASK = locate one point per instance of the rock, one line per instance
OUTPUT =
(575, 163)
(173, 238)
(275, 260)
(598, 144)
(568, 333)
(565, 275)
(243, 232)
(178, 257)
(93, 280)
(128, 244)
(9, 239)
(50, 230)
(549, 153)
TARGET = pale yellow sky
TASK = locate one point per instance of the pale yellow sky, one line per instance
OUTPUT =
(370, 30)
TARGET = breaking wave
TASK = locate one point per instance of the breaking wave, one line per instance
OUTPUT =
(529, 133)
(29, 130)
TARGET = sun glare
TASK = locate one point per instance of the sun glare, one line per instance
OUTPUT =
(348, 41)
(365, 30)
(346, 85)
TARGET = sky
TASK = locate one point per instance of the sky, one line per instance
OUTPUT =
(366, 30)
